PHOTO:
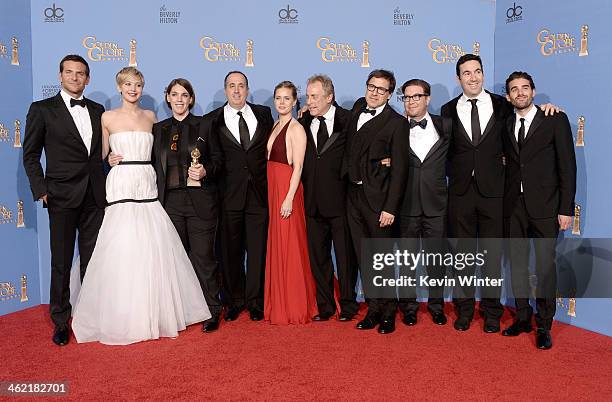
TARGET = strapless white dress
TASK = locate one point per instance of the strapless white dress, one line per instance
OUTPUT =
(139, 283)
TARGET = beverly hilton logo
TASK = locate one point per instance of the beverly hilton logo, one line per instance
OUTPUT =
(54, 14)
(343, 52)
(288, 15)
(514, 13)
(168, 16)
(402, 19)
(553, 43)
(103, 51)
(444, 52)
(215, 51)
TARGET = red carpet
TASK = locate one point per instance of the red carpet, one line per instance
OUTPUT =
(247, 360)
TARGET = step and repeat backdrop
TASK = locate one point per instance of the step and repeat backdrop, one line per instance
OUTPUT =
(274, 41)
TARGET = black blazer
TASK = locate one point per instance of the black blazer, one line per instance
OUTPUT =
(242, 167)
(205, 198)
(324, 189)
(485, 159)
(426, 192)
(546, 165)
(382, 137)
(69, 168)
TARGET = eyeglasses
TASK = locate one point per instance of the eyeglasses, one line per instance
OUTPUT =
(415, 97)
(379, 90)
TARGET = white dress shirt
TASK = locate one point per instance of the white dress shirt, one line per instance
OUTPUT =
(485, 111)
(366, 117)
(422, 139)
(517, 125)
(81, 118)
(231, 120)
(329, 122)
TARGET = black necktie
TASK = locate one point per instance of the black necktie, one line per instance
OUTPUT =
(245, 138)
(371, 111)
(521, 134)
(475, 123)
(422, 123)
(80, 102)
(322, 134)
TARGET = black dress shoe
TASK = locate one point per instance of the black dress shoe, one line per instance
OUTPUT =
(211, 325)
(491, 326)
(543, 339)
(410, 319)
(438, 318)
(462, 324)
(61, 336)
(232, 313)
(387, 325)
(517, 328)
(344, 317)
(369, 322)
(256, 315)
(322, 317)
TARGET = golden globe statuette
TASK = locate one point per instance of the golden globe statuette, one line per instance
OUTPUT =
(580, 134)
(576, 225)
(571, 309)
(133, 62)
(249, 54)
(365, 57)
(476, 49)
(584, 39)
(24, 288)
(15, 54)
(17, 142)
(195, 156)
(20, 222)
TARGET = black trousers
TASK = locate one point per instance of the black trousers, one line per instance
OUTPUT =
(244, 231)
(363, 223)
(63, 226)
(432, 231)
(545, 231)
(473, 216)
(321, 232)
(198, 238)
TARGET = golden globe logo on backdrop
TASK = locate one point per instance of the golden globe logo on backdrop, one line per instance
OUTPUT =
(442, 52)
(216, 51)
(98, 50)
(553, 43)
(343, 52)
(8, 290)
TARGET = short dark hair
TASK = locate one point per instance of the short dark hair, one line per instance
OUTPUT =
(289, 85)
(468, 57)
(418, 82)
(235, 72)
(519, 74)
(77, 58)
(185, 84)
(386, 74)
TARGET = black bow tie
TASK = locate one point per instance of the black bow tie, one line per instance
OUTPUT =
(422, 123)
(370, 111)
(80, 102)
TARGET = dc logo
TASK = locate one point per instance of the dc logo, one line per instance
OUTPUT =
(287, 13)
(54, 12)
(514, 11)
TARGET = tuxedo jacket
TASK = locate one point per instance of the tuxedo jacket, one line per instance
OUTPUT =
(485, 159)
(426, 191)
(69, 169)
(384, 136)
(546, 165)
(242, 167)
(324, 188)
(205, 198)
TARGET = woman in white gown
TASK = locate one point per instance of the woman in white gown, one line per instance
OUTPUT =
(139, 283)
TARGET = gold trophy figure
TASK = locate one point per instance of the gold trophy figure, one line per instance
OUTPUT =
(24, 288)
(249, 54)
(576, 225)
(476, 48)
(20, 222)
(365, 58)
(195, 156)
(584, 50)
(15, 54)
(571, 309)
(17, 142)
(580, 134)
(133, 53)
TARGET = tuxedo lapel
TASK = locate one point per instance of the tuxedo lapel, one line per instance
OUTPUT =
(96, 125)
(537, 120)
(510, 122)
(437, 122)
(462, 130)
(495, 101)
(225, 131)
(336, 131)
(259, 130)
(373, 125)
(65, 116)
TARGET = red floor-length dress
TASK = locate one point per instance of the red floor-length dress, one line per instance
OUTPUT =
(290, 293)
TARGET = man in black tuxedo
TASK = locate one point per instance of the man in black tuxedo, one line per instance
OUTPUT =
(242, 129)
(68, 128)
(325, 200)
(189, 193)
(375, 133)
(539, 200)
(423, 212)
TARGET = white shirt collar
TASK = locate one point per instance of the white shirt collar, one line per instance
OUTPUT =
(233, 112)
(482, 97)
(329, 115)
(529, 116)
(66, 97)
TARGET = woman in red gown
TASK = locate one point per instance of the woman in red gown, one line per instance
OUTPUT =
(289, 293)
